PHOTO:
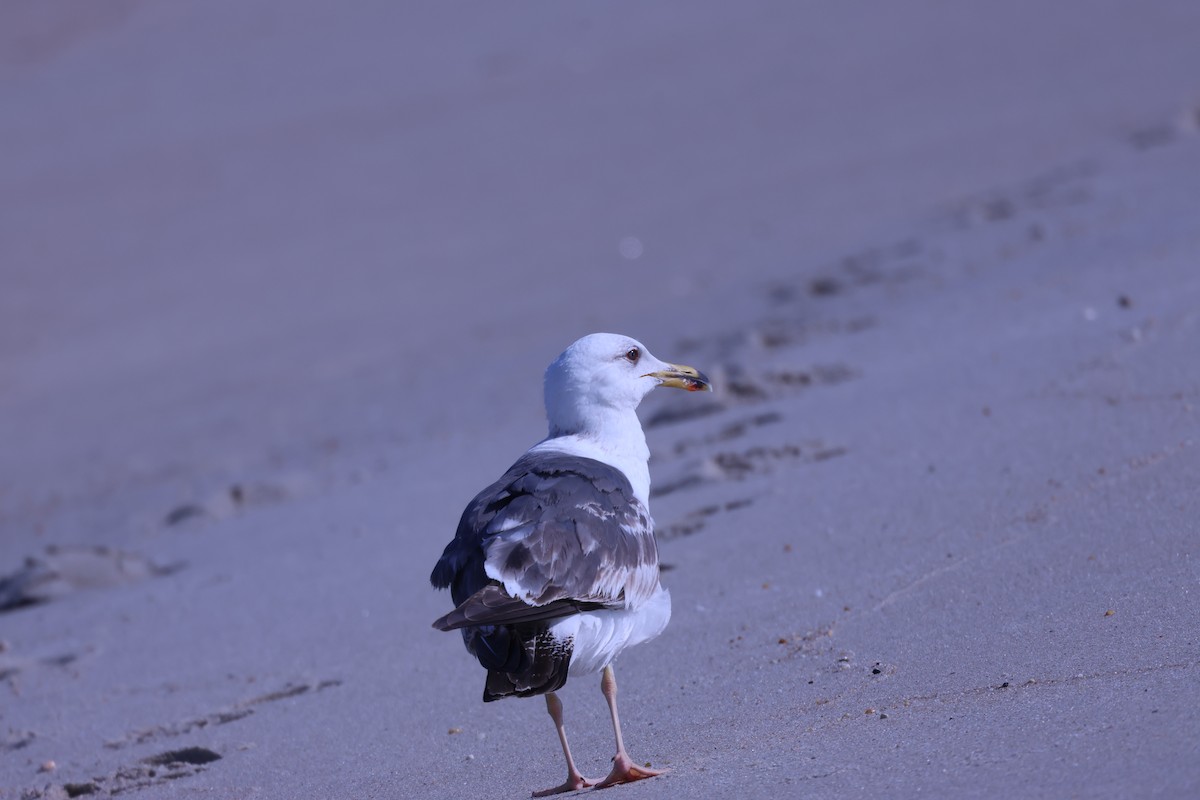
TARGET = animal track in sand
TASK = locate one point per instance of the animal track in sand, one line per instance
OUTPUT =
(168, 765)
(1022, 213)
(695, 521)
(734, 430)
(791, 322)
(1162, 134)
(1065, 186)
(63, 570)
(11, 666)
(153, 770)
(237, 497)
(896, 263)
(746, 385)
(221, 716)
(738, 465)
(740, 385)
(16, 740)
(1024, 216)
(1152, 137)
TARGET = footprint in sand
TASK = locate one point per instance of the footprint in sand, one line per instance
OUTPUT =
(63, 570)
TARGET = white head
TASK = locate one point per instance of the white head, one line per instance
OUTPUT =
(606, 375)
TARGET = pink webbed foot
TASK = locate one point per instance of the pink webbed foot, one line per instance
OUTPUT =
(571, 784)
(625, 771)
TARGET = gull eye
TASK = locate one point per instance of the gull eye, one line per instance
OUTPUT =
(632, 355)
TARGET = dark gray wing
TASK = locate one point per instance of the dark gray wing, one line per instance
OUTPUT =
(555, 535)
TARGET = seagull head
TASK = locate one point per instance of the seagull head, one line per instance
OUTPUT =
(604, 373)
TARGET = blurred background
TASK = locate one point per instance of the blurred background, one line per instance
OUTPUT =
(225, 224)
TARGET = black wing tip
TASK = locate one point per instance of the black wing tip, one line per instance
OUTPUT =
(443, 622)
(442, 575)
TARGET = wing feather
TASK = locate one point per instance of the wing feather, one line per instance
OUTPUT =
(556, 534)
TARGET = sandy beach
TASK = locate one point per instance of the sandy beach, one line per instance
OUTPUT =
(279, 281)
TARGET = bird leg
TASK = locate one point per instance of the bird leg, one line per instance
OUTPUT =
(574, 779)
(624, 770)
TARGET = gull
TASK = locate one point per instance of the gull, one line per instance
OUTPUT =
(554, 567)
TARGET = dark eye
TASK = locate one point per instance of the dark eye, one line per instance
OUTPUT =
(633, 355)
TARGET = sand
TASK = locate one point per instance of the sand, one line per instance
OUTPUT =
(278, 283)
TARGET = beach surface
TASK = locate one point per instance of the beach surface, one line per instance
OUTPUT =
(278, 282)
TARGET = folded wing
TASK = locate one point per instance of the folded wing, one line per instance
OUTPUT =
(557, 534)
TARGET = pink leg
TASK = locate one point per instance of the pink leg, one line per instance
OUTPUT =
(574, 779)
(624, 770)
